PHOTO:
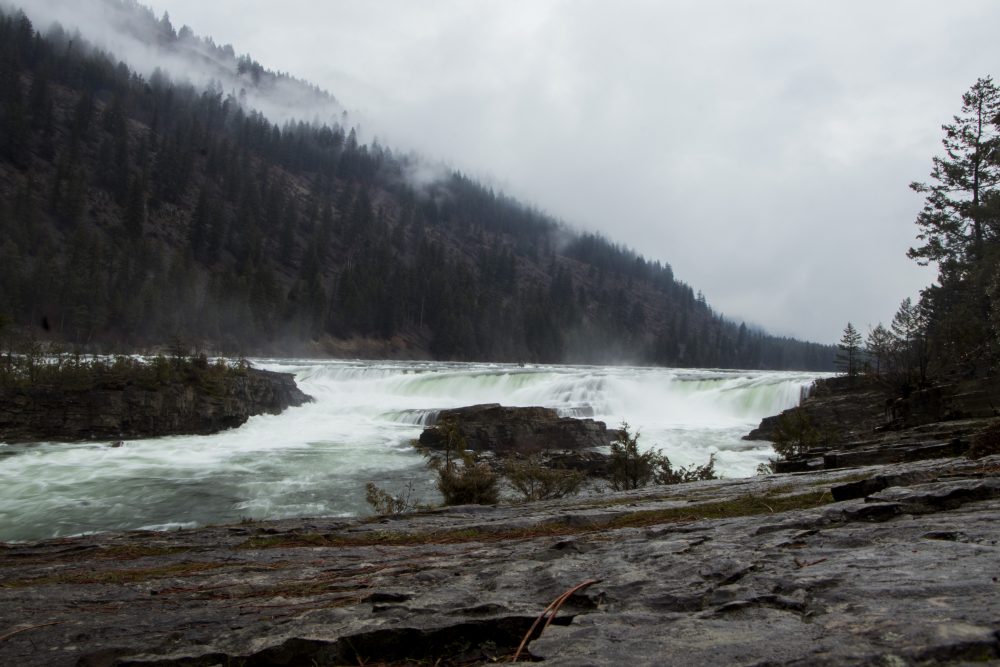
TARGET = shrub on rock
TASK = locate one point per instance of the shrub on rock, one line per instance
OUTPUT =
(533, 480)
(462, 480)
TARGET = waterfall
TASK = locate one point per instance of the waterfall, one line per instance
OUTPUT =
(314, 460)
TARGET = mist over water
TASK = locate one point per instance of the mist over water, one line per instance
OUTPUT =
(315, 459)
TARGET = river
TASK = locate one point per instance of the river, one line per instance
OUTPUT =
(314, 460)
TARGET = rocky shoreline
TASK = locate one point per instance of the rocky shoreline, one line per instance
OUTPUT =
(768, 570)
(886, 564)
(125, 410)
(863, 422)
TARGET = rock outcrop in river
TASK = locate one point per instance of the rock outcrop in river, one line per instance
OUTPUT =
(514, 430)
(519, 432)
(130, 410)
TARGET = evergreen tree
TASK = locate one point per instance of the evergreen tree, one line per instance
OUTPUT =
(953, 224)
(959, 227)
(135, 208)
(848, 359)
(878, 346)
(908, 332)
(300, 232)
(13, 119)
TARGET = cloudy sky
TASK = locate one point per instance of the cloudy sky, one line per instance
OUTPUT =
(763, 149)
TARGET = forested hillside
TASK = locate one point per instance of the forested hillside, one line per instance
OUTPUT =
(134, 211)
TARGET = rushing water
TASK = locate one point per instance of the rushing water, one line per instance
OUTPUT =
(314, 460)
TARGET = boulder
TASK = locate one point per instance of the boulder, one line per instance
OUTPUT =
(510, 431)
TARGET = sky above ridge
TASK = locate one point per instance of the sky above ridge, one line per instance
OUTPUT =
(762, 149)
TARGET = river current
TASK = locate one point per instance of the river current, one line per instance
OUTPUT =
(315, 459)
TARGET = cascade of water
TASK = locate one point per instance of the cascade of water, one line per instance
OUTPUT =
(315, 459)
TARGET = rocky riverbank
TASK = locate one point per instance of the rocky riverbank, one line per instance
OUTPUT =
(887, 564)
(807, 569)
(122, 407)
(851, 423)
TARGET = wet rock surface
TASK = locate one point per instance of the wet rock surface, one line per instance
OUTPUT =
(865, 424)
(903, 570)
(132, 411)
(507, 432)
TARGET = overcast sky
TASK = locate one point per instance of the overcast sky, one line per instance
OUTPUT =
(763, 149)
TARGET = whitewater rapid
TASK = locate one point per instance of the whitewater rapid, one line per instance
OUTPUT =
(315, 459)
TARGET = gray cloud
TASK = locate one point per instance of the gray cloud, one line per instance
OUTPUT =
(761, 148)
(132, 37)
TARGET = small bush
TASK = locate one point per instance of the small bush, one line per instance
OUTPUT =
(468, 484)
(384, 502)
(533, 481)
(631, 469)
(665, 474)
(766, 468)
(461, 479)
(795, 434)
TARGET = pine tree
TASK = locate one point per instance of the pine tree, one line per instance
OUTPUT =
(878, 346)
(952, 222)
(135, 208)
(13, 119)
(908, 331)
(849, 357)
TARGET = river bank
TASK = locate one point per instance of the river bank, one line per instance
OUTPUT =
(768, 570)
(894, 563)
(126, 398)
(851, 422)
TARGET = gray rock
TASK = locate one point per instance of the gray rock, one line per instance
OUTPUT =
(862, 423)
(126, 410)
(515, 430)
(521, 432)
(768, 570)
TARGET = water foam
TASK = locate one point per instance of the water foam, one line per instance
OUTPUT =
(315, 459)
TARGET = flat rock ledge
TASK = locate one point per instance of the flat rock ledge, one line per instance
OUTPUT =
(865, 424)
(884, 565)
(29, 414)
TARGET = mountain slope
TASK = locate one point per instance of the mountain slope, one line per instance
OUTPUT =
(137, 210)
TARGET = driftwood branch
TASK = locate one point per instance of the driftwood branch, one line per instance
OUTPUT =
(549, 614)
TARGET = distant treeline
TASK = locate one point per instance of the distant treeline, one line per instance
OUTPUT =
(135, 210)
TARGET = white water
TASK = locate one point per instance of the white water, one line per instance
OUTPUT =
(314, 460)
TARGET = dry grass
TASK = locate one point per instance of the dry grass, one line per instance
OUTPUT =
(737, 507)
(134, 552)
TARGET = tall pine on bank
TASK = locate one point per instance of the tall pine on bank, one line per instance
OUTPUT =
(958, 230)
(954, 329)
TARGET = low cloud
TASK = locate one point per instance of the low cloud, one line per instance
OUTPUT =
(148, 43)
(763, 149)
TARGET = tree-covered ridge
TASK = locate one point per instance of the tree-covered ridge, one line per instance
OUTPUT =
(135, 210)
